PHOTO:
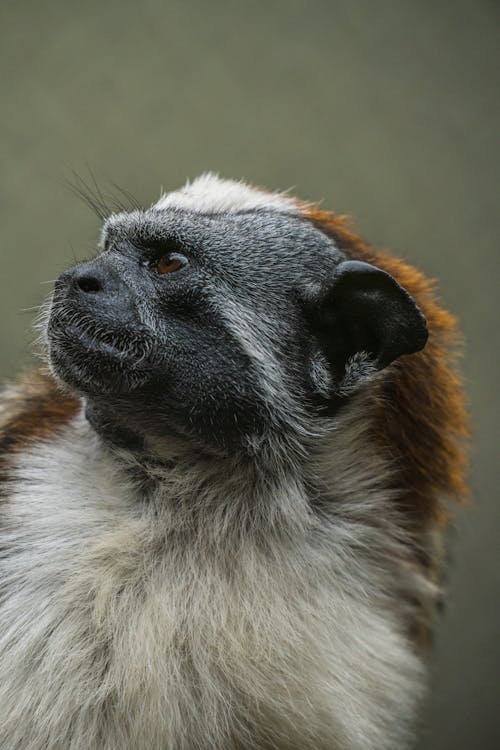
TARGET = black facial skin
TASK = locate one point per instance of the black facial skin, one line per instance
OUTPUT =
(182, 353)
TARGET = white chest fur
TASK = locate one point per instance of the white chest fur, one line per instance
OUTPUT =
(120, 631)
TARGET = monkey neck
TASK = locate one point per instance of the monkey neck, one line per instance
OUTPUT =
(112, 432)
(225, 498)
(281, 487)
(259, 453)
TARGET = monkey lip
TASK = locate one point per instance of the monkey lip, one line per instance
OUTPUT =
(104, 343)
(95, 339)
(93, 359)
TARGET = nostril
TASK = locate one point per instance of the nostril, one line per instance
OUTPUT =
(88, 284)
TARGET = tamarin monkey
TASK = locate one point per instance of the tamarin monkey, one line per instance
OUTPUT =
(223, 503)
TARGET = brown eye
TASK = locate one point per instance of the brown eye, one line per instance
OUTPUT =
(170, 263)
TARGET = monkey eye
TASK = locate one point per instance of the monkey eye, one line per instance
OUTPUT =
(170, 263)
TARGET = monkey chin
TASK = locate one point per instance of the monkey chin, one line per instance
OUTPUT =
(93, 359)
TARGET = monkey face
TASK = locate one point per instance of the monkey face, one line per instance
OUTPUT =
(222, 324)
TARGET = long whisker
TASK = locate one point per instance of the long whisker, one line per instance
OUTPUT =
(91, 194)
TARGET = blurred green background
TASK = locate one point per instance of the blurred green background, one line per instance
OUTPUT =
(386, 110)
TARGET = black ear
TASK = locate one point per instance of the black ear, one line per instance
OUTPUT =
(364, 309)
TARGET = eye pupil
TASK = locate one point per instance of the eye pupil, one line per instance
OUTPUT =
(170, 264)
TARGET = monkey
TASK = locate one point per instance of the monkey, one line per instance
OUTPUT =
(225, 496)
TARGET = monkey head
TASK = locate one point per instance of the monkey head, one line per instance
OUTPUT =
(223, 315)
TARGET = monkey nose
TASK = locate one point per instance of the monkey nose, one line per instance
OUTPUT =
(90, 279)
(98, 289)
(89, 283)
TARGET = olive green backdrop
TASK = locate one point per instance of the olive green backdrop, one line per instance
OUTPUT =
(385, 109)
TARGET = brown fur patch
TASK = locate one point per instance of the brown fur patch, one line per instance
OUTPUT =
(32, 409)
(419, 412)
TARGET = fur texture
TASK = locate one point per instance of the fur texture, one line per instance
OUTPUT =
(210, 194)
(178, 591)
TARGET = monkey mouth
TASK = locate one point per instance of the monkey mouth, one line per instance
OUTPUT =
(117, 344)
(90, 355)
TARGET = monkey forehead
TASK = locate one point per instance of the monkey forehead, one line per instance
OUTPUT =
(218, 214)
(209, 193)
(208, 197)
(265, 235)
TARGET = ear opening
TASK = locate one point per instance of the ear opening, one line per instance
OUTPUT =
(364, 311)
